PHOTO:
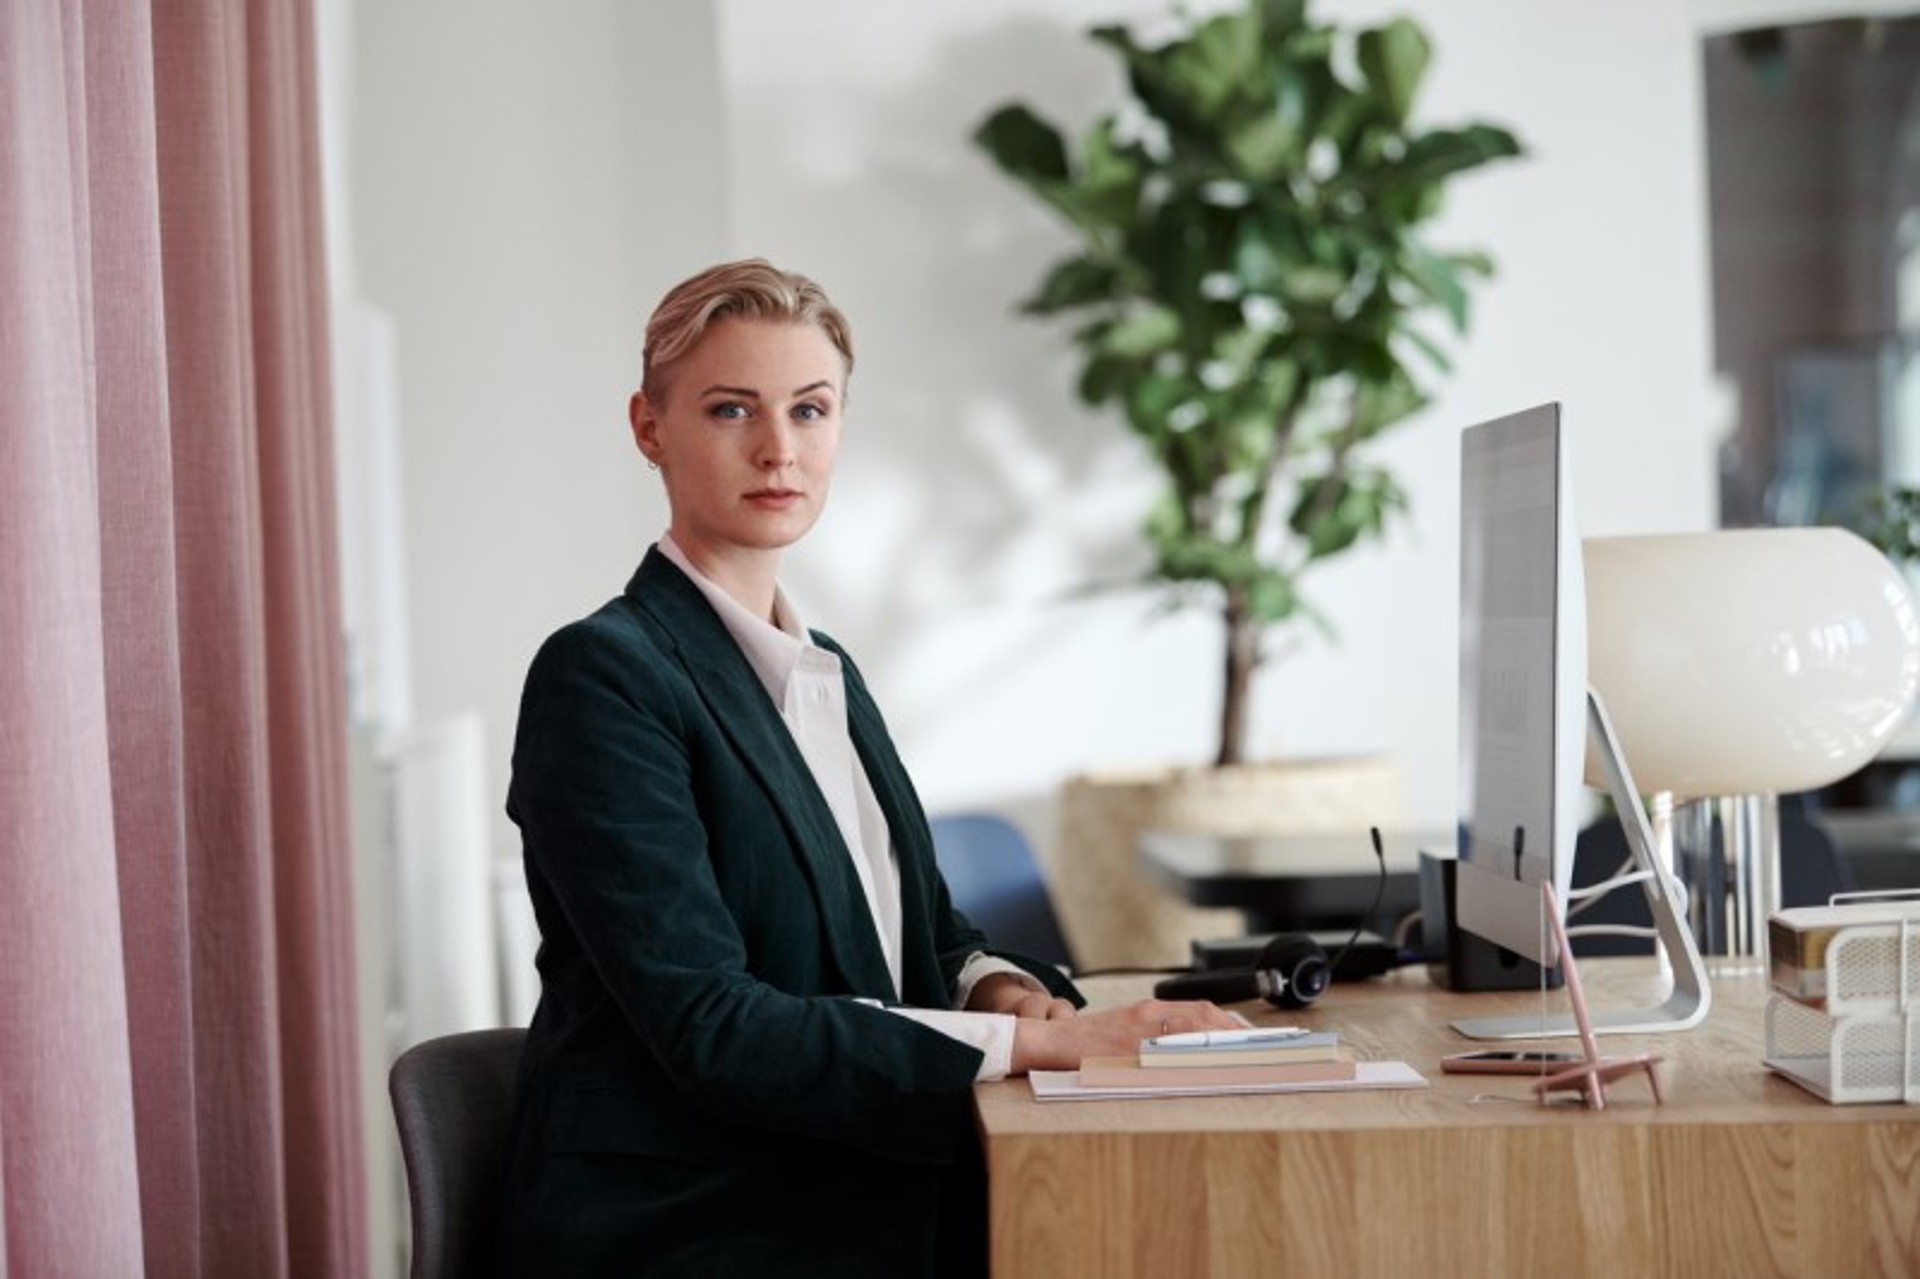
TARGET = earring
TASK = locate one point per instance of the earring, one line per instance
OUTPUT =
(652, 465)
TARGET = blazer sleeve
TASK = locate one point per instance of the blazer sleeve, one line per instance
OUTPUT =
(603, 792)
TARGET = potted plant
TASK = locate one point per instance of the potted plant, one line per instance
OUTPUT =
(1254, 292)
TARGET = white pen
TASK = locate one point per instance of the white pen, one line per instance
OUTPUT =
(1220, 1038)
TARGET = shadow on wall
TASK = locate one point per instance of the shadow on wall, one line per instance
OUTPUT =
(972, 480)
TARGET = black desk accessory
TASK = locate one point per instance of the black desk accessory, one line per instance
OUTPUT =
(1370, 955)
(1290, 971)
(1459, 960)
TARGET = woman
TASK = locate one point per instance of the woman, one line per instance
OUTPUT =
(760, 1015)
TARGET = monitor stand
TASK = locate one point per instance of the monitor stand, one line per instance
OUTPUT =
(1686, 1006)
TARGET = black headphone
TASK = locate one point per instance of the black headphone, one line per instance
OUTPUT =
(1291, 971)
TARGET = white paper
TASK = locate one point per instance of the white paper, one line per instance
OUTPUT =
(1064, 1085)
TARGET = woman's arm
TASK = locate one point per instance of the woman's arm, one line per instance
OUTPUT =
(1051, 1034)
(1017, 995)
(1063, 1043)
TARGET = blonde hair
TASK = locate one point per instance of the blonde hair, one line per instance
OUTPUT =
(751, 289)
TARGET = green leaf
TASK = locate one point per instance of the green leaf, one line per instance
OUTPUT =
(1117, 38)
(1184, 242)
(1471, 263)
(1239, 348)
(1144, 332)
(1428, 347)
(1313, 285)
(1150, 77)
(1281, 381)
(1435, 278)
(1106, 164)
(1262, 255)
(1442, 153)
(1394, 59)
(1102, 379)
(1358, 505)
(1218, 64)
(1024, 145)
(1378, 405)
(1152, 399)
(1280, 19)
(1273, 598)
(1264, 147)
(1074, 282)
(1167, 519)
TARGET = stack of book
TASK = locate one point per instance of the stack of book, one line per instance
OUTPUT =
(1225, 1058)
(1260, 1060)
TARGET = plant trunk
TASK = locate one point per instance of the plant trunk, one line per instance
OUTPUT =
(1243, 637)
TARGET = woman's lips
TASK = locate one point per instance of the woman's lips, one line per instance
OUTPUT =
(774, 499)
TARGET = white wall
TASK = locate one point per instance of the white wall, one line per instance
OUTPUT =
(528, 180)
(974, 493)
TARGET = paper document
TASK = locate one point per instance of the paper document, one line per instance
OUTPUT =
(1065, 1085)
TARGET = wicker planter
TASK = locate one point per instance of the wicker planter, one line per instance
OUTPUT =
(1114, 916)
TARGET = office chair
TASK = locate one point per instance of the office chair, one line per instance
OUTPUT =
(453, 1100)
(995, 882)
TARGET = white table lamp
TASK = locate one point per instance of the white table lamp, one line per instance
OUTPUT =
(1751, 662)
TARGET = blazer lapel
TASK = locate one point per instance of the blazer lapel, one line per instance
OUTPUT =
(740, 705)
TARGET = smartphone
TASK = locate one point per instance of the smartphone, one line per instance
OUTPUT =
(1521, 1061)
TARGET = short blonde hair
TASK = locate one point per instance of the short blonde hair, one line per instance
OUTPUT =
(751, 289)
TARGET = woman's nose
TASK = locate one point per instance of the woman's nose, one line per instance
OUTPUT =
(776, 446)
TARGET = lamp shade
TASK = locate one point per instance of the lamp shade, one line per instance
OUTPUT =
(1748, 661)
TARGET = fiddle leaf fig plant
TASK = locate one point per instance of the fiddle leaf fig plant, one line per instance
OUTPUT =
(1254, 292)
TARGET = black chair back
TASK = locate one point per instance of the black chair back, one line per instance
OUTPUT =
(453, 1102)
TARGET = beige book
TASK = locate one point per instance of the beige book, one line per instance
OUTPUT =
(1123, 1072)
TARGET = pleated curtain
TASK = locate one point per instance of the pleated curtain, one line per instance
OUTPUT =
(177, 1046)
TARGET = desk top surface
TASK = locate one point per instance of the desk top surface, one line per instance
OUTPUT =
(1710, 1075)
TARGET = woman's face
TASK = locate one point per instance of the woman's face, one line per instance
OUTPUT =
(746, 436)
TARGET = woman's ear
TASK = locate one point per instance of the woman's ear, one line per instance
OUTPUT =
(646, 426)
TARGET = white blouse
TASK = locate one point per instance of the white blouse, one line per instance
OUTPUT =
(809, 689)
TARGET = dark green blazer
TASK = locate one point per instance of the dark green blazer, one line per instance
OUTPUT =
(701, 1091)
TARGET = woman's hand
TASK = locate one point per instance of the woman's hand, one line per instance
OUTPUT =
(1113, 1032)
(1016, 996)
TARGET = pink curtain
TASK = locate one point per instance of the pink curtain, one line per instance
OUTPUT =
(177, 1055)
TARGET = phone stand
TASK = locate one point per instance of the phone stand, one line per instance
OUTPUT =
(1592, 1076)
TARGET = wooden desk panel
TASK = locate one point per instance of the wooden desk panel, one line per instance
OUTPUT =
(1740, 1173)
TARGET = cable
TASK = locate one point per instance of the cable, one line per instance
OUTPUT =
(1333, 968)
(1379, 894)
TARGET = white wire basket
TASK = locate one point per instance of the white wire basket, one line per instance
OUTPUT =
(1858, 1058)
(1873, 969)
(1846, 1027)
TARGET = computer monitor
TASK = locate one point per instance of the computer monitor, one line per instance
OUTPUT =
(1523, 677)
(1527, 719)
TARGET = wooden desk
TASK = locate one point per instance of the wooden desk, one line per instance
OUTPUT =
(1740, 1173)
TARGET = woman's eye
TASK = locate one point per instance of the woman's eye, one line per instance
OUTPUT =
(809, 412)
(727, 411)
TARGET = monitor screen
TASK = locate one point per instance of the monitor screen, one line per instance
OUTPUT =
(1522, 677)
